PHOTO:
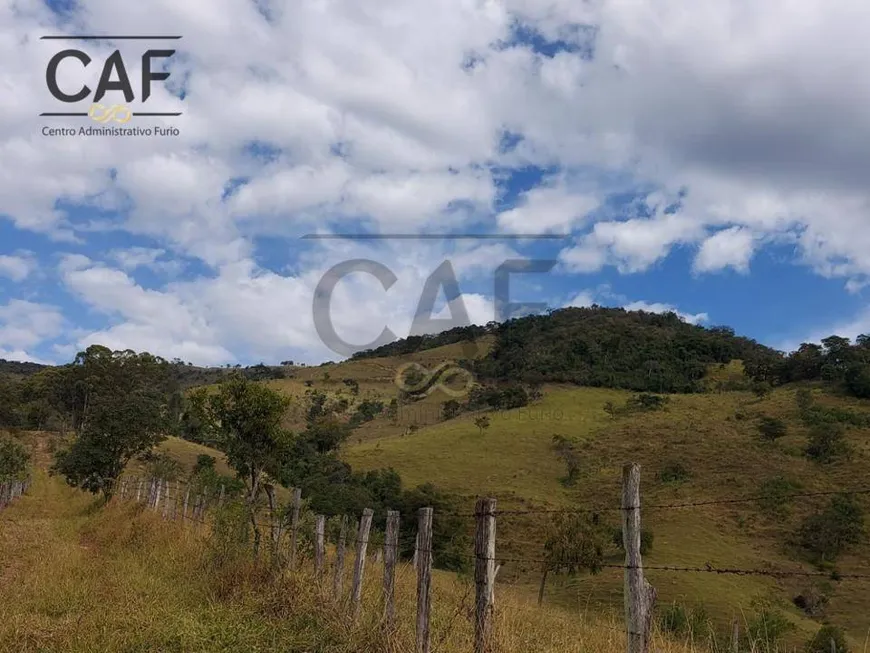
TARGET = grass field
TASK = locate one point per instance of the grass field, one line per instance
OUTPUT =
(79, 577)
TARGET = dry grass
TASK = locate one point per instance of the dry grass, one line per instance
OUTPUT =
(77, 577)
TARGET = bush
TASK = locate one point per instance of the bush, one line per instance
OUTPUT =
(450, 409)
(812, 602)
(768, 629)
(827, 534)
(774, 499)
(827, 443)
(821, 642)
(677, 620)
(771, 428)
(14, 460)
(646, 401)
(674, 472)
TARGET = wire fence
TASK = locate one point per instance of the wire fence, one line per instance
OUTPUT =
(193, 503)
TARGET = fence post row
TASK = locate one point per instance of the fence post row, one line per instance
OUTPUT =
(638, 596)
(424, 578)
(484, 574)
(362, 542)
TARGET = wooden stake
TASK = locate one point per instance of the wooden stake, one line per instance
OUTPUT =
(484, 574)
(391, 554)
(362, 542)
(424, 578)
(639, 595)
(339, 559)
(186, 500)
(319, 532)
(735, 637)
(294, 524)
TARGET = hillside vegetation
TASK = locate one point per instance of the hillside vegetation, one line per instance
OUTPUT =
(558, 404)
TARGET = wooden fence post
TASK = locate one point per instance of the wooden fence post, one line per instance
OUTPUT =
(294, 524)
(735, 637)
(391, 554)
(484, 573)
(166, 501)
(319, 532)
(424, 578)
(416, 548)
(184, 508)
(639, 596)
(339, 559)
(138, 490)
(362, 542)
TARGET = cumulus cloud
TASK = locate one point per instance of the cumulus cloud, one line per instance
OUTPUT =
(739, 124)
(17, 267)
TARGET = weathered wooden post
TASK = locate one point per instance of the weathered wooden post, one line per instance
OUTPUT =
(639, 595)
(339, 559)
(362, 542)
(391, 554)
(319, 532)
(294, 524)
(184, 508)
(735, 637)
(424, 578)
(165, 514)
(484, 574)
(139, 491)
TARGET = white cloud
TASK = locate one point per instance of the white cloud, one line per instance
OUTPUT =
(658, 307)
(25, 325)
(727, 248)
(745, 111)
(17, 267)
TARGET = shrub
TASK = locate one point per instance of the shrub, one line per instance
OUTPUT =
(774, 499)
(771, 428)
(827, 443)
(14, 460)
(812, 602)
(450, 409)
(767, 630)
(674, 472)
(821, 642)
(677, 620)
(646, 401)
(827, 534)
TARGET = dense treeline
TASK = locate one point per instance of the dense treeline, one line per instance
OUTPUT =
(413, 344)
(612, 347)
(836, 360)
(18, 368)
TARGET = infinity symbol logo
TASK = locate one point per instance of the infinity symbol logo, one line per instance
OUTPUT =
(116, 112)
(416, 379)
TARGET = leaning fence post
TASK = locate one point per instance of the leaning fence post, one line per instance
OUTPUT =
(294, 523)
(362, 542)
(319, 531)
(424, 578)
(339, 558)
(391, 553)
(484, 573)
(639, 595)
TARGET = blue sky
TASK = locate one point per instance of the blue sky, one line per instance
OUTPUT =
(687, 171)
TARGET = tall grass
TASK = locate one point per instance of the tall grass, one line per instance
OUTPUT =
(77, 576)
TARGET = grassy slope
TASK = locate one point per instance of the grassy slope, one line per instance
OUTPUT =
(513, 461)
(77, 577)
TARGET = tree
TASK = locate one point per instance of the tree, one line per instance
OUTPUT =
(771, 428)
(119, 403)
(821, 642)
(574, 542)
(482, 423)
(245, 418)
(827, 443)
(827, 534)
(14, 460)
(450, 409)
